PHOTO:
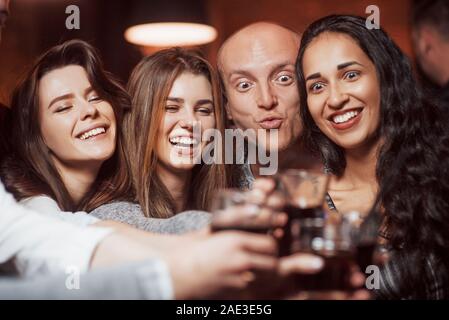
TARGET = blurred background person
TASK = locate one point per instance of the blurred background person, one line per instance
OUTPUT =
(430, 26)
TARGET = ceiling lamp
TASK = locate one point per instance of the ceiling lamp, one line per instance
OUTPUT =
(168, 34)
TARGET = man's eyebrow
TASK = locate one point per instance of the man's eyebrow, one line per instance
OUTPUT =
(240, 72)
(274, 69)
(314, 76)
(60, 98)
(347, 64)
(281, 66)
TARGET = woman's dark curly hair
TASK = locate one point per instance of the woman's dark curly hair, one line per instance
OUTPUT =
(413, 163)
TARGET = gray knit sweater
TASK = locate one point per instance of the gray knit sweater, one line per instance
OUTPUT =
(131, 213)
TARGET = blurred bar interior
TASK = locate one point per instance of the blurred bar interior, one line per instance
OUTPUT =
(36, 25)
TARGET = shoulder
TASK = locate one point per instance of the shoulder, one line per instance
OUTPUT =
(47, 206)
(186, 221)
(118, 208)
(193, 215)
(42, 204)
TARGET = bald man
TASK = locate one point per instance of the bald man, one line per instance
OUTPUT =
(257, 68)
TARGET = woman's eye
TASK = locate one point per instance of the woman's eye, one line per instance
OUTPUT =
(63, 108)
(285, 79)
(94, 99)
(316, 87)
(351, 75)
(205, 111)
(243, 86)
(171, 108)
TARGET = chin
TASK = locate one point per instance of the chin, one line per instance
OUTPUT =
(278, 146)
(349, 143)
(182, 166)
(101, 155)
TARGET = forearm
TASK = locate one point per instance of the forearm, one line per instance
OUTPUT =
(154, 244)
(124, 246)
(146, 280)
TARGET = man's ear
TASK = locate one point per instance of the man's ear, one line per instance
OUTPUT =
(427, 39)
(226, 106)
(228, 111)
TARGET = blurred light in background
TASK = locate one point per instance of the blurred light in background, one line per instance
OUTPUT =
(169, 34)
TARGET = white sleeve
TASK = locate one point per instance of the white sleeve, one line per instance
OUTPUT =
(40, 245)
(47, 206)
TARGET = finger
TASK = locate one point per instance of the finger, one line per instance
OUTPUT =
(238, 280)
(275, 201)
(256, 196)
(265, 184)
(257, 243)
(278, 233)
(357, 280)
(258, 262)
(279, 219)
(300, 263)
(329, 295)
(361, 295)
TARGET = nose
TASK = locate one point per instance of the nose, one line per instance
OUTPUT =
(337, 97)
(266, 98)
(188, 119)
(87, 110)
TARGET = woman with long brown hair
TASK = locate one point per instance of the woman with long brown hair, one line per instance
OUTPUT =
(65, 124)
(175, 101)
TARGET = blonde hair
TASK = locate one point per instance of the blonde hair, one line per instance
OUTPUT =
(149, 87)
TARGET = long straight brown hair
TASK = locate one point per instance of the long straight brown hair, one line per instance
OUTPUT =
(149, 86)
(29, 170)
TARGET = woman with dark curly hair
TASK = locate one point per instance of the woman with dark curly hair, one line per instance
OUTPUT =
(385, 146)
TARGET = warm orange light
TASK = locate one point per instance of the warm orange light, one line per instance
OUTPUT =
(168, 34)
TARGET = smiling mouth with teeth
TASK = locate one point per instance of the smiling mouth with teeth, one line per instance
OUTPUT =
(183, 142)
(92, 133)
(346, 116)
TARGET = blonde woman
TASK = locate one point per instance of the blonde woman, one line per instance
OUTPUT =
(174, 92)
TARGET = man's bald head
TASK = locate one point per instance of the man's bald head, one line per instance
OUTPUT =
(256, 35)
(257, 67)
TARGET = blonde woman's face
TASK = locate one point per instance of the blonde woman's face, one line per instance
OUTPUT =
(189, 109)
(77, 125)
